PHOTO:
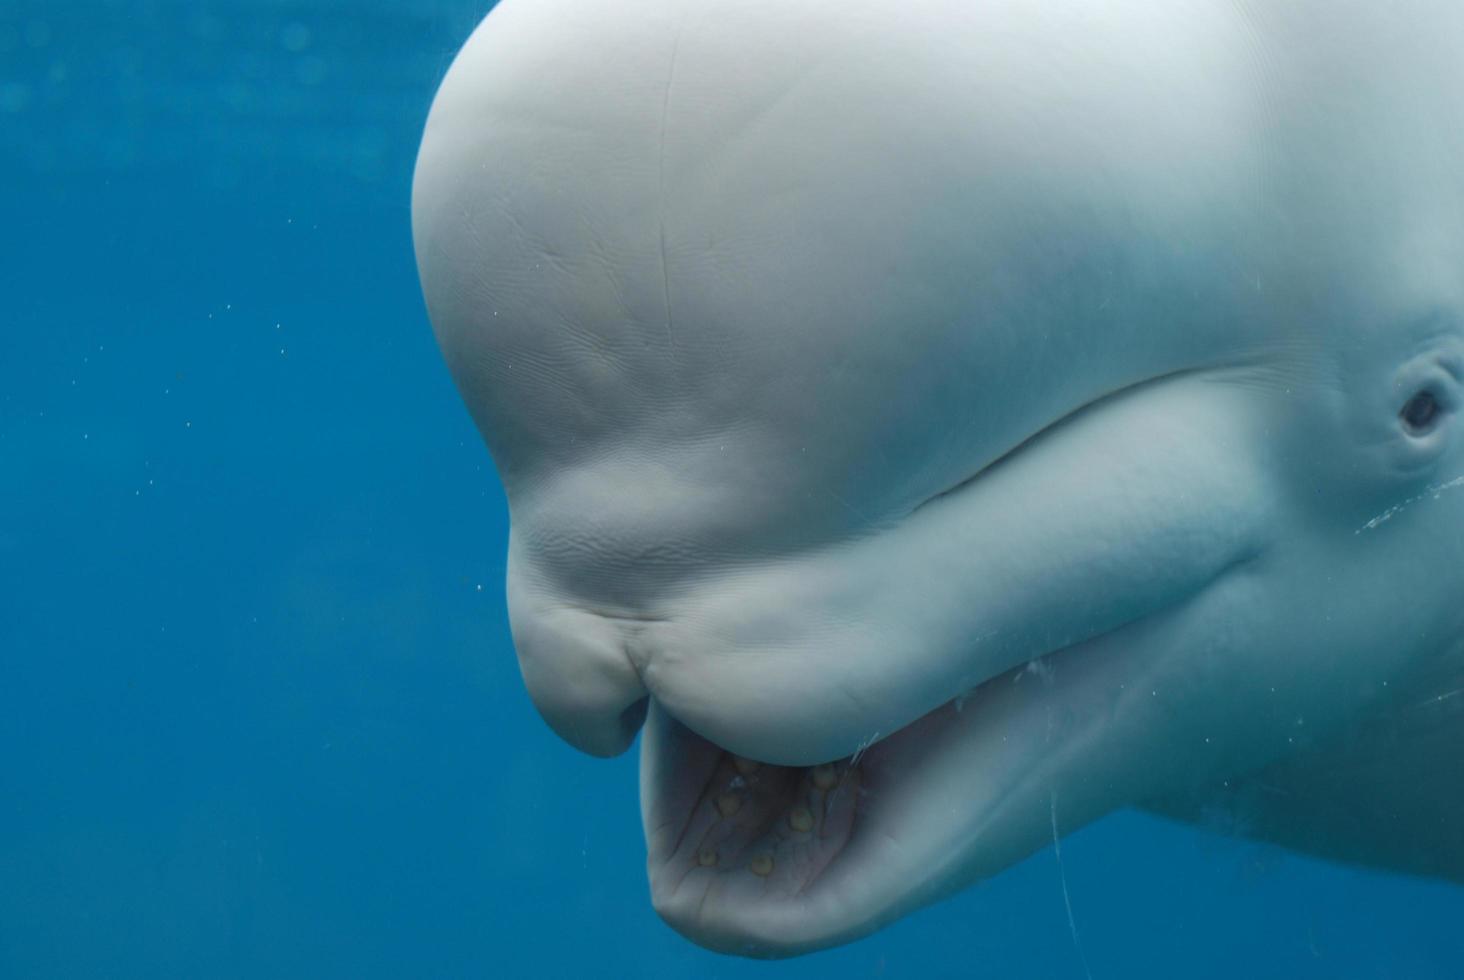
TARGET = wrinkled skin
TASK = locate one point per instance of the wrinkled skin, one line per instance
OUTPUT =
(940, 421)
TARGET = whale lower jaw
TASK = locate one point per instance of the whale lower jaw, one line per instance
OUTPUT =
(739, 865)
(769, 861)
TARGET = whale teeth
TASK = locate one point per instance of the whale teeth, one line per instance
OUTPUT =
(824, 777)
(801, 819)
(761, 865)
(745, 766)
(728, 804)
(706, 857)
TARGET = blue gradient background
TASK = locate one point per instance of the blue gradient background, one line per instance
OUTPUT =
(259, 713)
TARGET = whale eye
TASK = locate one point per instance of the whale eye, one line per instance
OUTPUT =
(1420, 414)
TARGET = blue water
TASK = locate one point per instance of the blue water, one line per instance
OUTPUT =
(259, 714)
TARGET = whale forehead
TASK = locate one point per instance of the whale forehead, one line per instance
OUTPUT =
(875, 245)
(802, 271)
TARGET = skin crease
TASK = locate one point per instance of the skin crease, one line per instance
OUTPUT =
(848, 363)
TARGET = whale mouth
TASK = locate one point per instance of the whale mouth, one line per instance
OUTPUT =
(767, 861)
(781, 824)
(771, 860)
(742, 846)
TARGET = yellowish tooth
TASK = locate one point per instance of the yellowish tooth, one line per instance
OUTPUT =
(706, 857)
(762, 865)
(801, 819)
(728, 804)
(824, 777)
(745, 766)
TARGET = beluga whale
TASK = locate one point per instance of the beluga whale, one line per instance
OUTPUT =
(931, 427)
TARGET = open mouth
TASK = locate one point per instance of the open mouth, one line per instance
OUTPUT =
(766, 860)
(725, 832)
(778, 823)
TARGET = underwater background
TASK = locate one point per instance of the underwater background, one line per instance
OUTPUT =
(259, 712)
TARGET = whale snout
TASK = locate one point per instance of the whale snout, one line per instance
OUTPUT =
(579, 674)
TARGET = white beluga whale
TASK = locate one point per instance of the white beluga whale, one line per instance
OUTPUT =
(933, 426)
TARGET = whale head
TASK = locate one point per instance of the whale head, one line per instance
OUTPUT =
(926, 424)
